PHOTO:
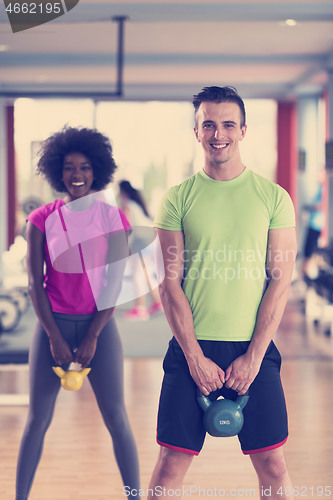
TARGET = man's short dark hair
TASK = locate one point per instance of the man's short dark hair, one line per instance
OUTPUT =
(220, 94)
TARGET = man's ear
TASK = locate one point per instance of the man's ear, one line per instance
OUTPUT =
(244, 129)
(196, 134)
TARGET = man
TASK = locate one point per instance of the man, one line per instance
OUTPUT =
(228, 243)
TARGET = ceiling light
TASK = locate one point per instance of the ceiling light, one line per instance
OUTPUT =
(290, 22)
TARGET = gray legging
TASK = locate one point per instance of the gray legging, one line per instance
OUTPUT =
(106, 378)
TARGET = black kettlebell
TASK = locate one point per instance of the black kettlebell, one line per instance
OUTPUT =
(223, 417)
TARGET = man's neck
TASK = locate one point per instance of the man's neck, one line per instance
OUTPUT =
(224, 172)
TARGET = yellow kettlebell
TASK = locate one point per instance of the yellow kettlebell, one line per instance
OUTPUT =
(71, 380)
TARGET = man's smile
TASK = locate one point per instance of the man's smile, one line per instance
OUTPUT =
(219, 146)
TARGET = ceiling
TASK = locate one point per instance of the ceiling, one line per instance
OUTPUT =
(172, 49)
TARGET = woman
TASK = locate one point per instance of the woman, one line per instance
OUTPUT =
(134, 206)
(71, 328)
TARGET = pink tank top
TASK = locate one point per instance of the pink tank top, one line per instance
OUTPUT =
(76, 251)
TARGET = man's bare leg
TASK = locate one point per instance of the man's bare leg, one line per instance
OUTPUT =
(273, 475)
(169, 472)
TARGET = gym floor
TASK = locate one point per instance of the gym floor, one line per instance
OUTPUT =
(78, 461)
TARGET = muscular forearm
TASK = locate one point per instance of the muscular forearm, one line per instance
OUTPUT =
(243, 370)
(60, 349)
(280, 263)
(269, 317)
(42, 307)
(206, 374)
(99, 321)
(88, 345)
(179, 315)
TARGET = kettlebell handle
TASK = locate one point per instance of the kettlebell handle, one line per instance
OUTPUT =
(71, 380)
(242, 400)
(205, 402)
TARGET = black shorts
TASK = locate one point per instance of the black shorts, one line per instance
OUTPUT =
(180, 419)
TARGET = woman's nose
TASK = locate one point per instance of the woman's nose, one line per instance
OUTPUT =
(76, 172)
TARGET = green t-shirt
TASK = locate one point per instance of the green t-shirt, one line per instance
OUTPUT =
(225, 226)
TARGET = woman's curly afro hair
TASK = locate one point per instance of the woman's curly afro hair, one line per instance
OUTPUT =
(89, 142)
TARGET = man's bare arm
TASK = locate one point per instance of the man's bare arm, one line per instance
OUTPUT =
(206, 374)
(281, 255)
